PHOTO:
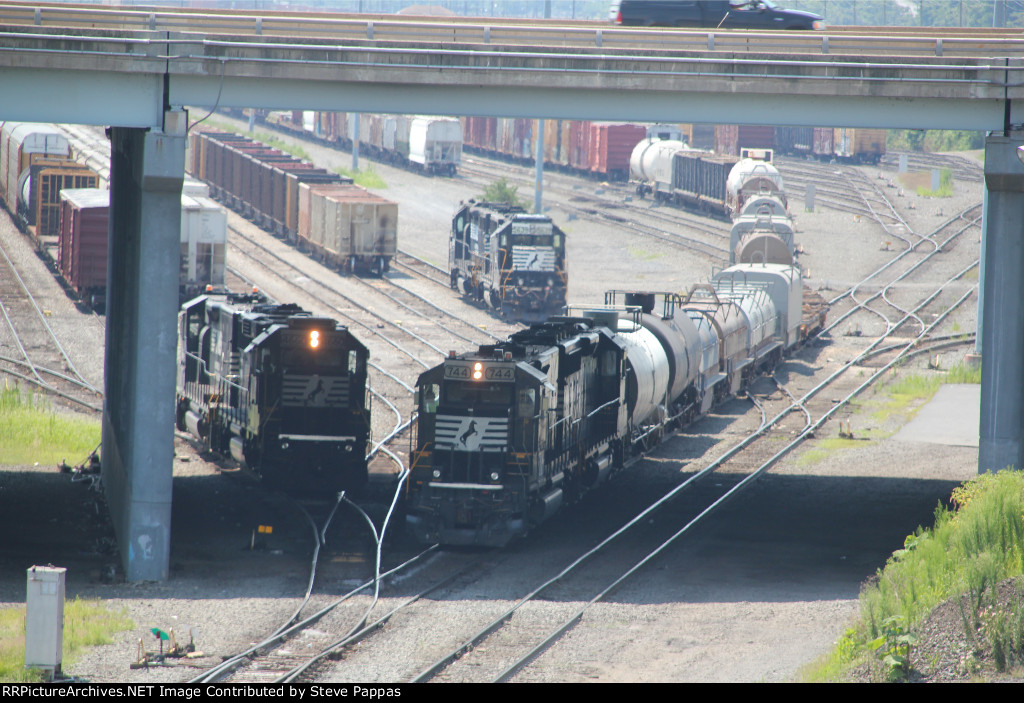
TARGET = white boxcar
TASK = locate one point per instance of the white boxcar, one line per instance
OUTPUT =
(204, 232)
(435, 143)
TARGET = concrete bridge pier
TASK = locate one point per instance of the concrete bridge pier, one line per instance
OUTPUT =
(1001, 438)
(147, 169)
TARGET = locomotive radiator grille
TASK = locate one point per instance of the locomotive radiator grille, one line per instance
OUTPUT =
(470, 434)
(314, 391)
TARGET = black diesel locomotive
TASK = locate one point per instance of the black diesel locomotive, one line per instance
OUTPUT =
(281, 391)
(510, 260)
(510, 432)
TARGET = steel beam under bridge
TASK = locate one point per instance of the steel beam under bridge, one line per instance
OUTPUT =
(104, 99)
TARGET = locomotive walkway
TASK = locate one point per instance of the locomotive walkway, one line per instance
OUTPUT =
(139, 70)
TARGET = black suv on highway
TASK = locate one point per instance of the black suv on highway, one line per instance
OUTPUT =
(728, 14)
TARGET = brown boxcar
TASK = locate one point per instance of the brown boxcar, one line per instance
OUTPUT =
(611, 145)
(730, 138)
(823, 140)
(859, 145)
(82, 241)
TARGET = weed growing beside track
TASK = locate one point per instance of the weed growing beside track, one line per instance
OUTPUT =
(87, 623)
(32, 432)
(974, 554)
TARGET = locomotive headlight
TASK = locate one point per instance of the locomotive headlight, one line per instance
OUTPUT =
(314, 339)
(478, 371)
(437, 473)
(494, 476)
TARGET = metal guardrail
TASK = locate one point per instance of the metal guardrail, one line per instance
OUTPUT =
(882, 41)
(241, 55)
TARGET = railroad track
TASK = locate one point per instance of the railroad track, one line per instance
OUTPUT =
(38, 357)
(668, 225)
(521, 630)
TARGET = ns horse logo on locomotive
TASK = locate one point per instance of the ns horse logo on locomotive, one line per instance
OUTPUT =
(281, 391)
(507, 432)
(511, 260)
(510, 432)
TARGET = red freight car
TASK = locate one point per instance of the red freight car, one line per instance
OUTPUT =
(82, 241)
(611, 145)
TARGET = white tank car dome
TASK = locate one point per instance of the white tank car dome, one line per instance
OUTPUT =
(747, 169)
(651, 159)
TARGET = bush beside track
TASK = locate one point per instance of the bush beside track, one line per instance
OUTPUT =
(950, 604)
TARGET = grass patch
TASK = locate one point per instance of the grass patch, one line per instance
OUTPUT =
(643, 255)
(32, 432)
(825, 447)
(968, 551)
(87, 623)
(945, 189)
(366, 178)
(915, 389)
(266, 138)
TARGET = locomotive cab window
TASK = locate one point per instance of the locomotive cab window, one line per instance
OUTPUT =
(471, 395)
(429, 396)
(532, 240)
(527, 405)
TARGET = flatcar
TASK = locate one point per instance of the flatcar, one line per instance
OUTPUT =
(281, 391)
(512, 261)
(509, 433)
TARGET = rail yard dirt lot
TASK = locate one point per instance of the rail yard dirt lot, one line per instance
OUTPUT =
(759, 590)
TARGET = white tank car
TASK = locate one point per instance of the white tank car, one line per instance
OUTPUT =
(784, 286)
(769, 204)
(651, 164)
(761, 238)
(749, 178)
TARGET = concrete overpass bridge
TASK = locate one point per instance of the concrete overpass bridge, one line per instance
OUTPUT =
(138, 71)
